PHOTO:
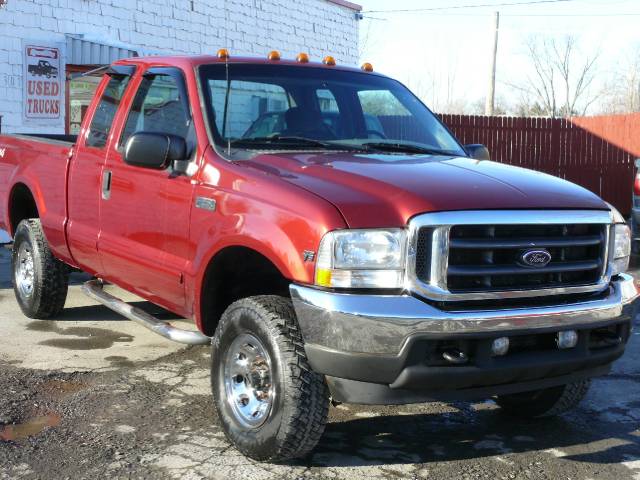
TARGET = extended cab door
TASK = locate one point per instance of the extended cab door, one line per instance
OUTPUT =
(85, 169)
(144, 243)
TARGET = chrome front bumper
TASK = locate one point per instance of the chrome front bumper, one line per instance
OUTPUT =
(382, 324)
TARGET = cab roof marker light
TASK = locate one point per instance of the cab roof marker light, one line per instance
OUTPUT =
(367, 67)
(223, 54)
(302, 58)
(274, 56)
(329, 60)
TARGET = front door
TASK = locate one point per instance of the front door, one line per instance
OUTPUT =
(85, 168)
(144, 241)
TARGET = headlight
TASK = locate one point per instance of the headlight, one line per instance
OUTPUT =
(621, 244)
(621, 249)
(362, 259)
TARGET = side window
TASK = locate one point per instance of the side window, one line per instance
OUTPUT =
(107, 108)
(157, 107)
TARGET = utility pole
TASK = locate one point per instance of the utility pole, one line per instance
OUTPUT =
(491, 94)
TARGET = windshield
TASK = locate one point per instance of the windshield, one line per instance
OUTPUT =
(291, 107)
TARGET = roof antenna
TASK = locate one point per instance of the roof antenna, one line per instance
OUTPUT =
(223, 52)
(226, 106)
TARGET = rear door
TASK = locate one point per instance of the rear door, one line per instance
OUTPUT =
(85, 167)
(144, 242)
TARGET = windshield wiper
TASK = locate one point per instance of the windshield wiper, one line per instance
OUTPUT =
(292, 141)
(404, 148)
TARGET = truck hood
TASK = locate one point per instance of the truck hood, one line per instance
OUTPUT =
(382, 190)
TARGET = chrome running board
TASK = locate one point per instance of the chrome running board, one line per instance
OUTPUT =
(93, 289)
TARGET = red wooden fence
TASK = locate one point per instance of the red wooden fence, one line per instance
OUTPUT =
(595, 152)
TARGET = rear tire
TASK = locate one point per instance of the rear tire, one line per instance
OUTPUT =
(544, 403)
(40, 281)
(272, 406)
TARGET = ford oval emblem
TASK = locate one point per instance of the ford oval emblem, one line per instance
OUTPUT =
(535, 258)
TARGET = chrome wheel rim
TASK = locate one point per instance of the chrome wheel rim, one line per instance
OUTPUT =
(24, 271)
(248, 381)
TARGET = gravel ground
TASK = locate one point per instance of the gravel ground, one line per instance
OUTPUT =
(136, 406)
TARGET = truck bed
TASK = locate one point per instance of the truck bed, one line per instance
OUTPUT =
(39, 162)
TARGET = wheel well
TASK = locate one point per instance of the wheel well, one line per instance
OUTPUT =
(22, 205)
(235, 273)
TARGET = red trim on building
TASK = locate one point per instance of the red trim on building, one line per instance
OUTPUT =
(345, 3)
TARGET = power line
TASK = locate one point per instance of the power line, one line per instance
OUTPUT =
(570, 15)
(529, 15)
(484, 5)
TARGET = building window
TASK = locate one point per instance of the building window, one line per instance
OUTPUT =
(79, 93)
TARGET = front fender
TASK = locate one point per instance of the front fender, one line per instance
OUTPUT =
(278, 220)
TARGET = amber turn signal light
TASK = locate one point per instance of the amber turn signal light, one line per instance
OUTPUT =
(223, 54)
(367, 67)
(302, 58)
(274, 55)
(329, 60)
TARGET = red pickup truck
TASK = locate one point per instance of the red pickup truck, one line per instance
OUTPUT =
(328, 235)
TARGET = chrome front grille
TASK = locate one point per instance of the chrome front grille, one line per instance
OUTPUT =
(478, 255)
(485, 258)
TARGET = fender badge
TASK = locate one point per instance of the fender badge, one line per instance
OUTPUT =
(308, 255)
(206, 203)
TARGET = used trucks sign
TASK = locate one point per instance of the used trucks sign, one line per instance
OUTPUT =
(43, 82)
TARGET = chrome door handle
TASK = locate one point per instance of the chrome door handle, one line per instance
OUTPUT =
(106, 184)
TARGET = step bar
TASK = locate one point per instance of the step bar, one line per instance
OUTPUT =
(94, 289)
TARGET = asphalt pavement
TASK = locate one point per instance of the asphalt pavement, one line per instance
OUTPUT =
(92, 395)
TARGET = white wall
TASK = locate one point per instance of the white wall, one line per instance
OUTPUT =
(253, 27)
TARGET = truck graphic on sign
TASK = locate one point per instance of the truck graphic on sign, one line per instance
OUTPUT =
(43, 69)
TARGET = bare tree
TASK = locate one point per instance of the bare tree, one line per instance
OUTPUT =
(422, 84)
(438, 89)
(477, 107)
(560, 79)
(369, 36)
(622, 92)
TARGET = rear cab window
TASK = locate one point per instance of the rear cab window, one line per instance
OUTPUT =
(254, 109)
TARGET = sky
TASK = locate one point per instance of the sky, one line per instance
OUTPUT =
(444, 55)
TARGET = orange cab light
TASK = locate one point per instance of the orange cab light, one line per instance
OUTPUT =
(367, 67)
(223, 54)
(274, 55)
(329, 60)
(302, 58)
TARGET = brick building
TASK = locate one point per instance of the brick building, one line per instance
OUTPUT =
(45, 44)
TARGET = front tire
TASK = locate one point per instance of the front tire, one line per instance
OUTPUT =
(272, 406)
(544, 403)
(40, 281)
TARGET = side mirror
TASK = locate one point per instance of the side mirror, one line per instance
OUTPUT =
(477, 151)
(154, 150)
